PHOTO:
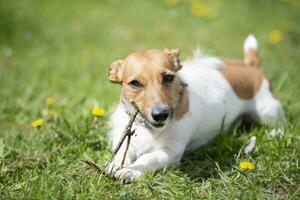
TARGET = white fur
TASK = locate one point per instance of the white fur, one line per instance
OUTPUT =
(250, 43)
(212, 103)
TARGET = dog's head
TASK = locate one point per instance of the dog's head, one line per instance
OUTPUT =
(149, 82)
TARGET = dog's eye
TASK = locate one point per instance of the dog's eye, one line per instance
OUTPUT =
(168, 78)
(135, 84)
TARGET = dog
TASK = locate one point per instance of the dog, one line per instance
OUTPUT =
(182, 106)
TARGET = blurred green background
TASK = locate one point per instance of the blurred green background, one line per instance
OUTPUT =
(62, 50)
(65, 47)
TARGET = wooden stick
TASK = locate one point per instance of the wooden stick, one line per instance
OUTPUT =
(127, 132)
(127, 147)
(93, 166)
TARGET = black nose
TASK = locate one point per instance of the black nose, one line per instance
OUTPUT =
(160, 114)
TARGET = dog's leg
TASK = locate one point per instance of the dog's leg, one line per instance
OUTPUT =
(268, 109)
(150, 162)
(272, 114)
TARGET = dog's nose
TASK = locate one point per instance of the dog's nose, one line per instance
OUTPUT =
(160, 114)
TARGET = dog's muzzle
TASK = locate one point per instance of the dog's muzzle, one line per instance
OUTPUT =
(157, 118)
(160, 114)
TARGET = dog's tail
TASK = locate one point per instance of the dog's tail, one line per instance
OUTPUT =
(251, 55)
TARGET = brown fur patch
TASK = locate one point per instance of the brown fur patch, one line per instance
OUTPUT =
(245, 80)
(252, 58)
(182, 106)
(232, 62)
(115, 75)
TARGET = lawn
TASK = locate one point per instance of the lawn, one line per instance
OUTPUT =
(54, 59)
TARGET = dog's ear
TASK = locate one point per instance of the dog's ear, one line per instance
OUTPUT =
(174, 55)
(115, 72)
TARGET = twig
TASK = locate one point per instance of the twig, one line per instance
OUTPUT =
(93, 166)
(127, 147)
(127, 133)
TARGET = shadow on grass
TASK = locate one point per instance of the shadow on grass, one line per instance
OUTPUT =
(218, 156)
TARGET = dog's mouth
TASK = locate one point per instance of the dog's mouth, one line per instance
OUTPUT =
(155, 126)
(145, 120)
(158, 125)
(149, 123)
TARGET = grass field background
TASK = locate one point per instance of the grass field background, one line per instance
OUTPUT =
(62, 50)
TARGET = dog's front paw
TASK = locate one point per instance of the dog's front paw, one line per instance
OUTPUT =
(127, 175)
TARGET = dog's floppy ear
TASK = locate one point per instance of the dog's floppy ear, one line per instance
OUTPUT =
(115, 72)
(174, 55)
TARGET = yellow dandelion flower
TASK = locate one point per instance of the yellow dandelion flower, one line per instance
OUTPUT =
(37, 123)
(247, 165)
(98, 112)
(275, 36)
(171, 2)
(50, 101)
(200, 10)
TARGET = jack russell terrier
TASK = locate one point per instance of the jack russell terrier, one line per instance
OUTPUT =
(183, 106)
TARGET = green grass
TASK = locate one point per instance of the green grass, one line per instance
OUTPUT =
(63, 49)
